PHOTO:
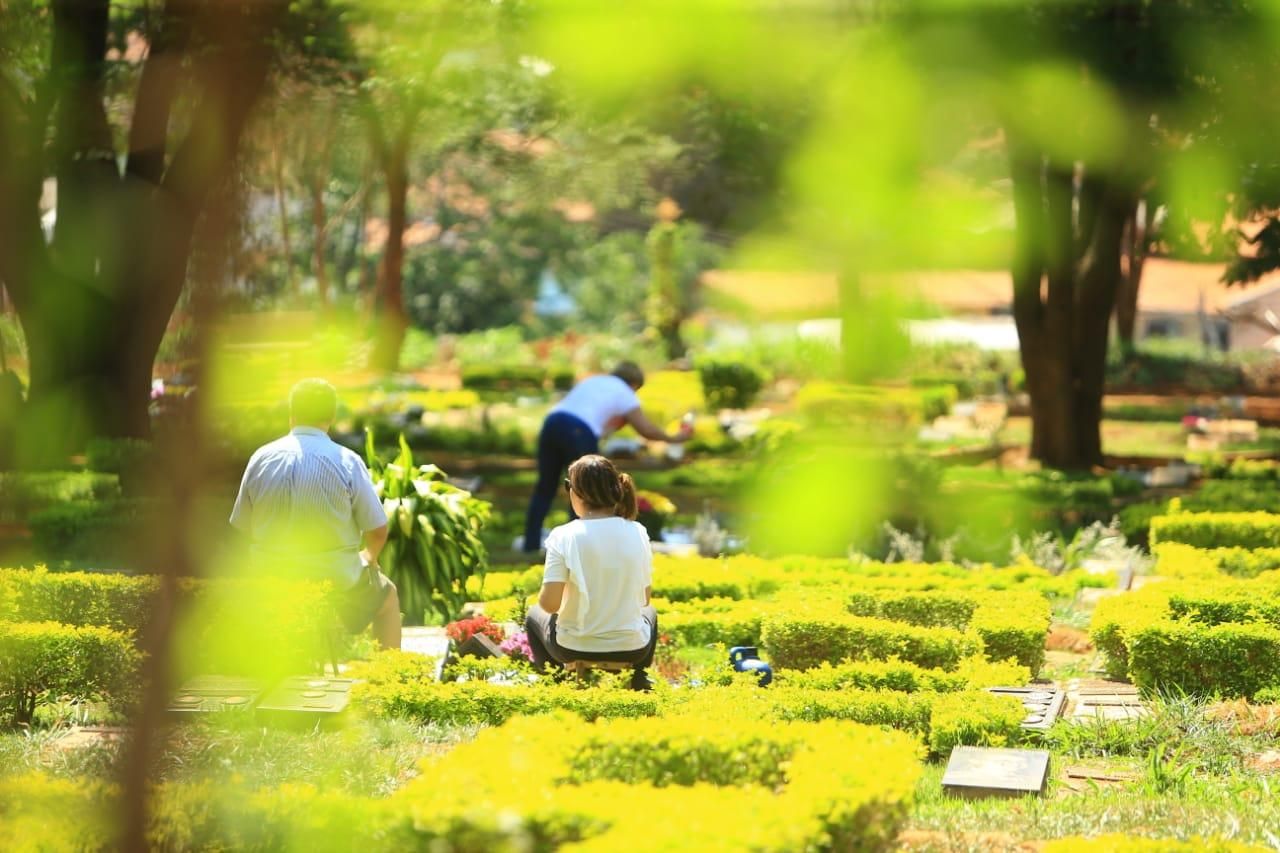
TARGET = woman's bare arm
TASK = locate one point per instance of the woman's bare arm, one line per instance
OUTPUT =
(552, 596)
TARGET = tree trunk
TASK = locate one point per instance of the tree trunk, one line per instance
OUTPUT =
(320, 223)
(390, 321)
(1135, 254)
(282, 207)
(1066, 274)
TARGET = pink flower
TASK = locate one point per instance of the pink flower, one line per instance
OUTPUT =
(517, 642)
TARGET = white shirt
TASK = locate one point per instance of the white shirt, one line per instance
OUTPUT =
(597, 400)
(605, 564)
(305, 501)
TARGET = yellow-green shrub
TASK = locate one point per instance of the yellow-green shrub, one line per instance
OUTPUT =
(63, 660)
(1012, 624)
(1207, 637)
(110, 600)
(823, 803)
(1116, 615)
(804, 641)
(1227, 659)
(1218, 529)
(907, 677)
(1176, 560)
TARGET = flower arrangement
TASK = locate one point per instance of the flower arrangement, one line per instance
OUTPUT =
(655, 503)
(517, 646)
(464, 629)
(653, 510)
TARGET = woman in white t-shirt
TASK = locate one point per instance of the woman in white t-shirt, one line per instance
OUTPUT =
(594, 603)
(573, 428)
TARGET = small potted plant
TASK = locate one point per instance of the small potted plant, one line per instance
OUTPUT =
(654, 511)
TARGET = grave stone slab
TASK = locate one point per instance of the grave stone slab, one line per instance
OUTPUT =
(977, 771)
(306, 700)
(1043, 704)
(206, 694)
(479, 646)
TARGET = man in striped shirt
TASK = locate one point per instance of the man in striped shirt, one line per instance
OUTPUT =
(310, 510)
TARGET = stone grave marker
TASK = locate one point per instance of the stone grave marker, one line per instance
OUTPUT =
(306, 700)
(209, 693)
(979, 771)
(1043, 704)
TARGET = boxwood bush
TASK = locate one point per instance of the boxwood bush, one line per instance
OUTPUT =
(729, 384)
(46, 658)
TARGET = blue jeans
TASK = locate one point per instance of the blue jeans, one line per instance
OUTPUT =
(563, 440)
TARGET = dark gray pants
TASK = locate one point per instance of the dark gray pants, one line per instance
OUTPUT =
(541, 628)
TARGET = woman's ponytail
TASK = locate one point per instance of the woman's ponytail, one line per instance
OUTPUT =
(627, 504)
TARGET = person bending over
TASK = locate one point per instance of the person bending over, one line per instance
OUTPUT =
(594, 603)
(308, 505)
(573, 428)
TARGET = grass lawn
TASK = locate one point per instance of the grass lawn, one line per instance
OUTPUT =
(1143, 438)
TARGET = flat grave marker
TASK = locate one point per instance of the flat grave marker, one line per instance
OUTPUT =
(979, 771)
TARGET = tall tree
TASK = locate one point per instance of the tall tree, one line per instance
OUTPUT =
(94, 298)
(421, 60)
(1134, 76)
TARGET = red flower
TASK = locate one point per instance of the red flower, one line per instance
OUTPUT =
(465, 629)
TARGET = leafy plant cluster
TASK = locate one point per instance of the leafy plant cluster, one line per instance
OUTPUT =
(434, 542)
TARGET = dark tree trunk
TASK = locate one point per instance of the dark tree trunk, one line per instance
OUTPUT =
(320, 248)
(389, 317)
(1132, 260)
(1066, 272)
(95, 301)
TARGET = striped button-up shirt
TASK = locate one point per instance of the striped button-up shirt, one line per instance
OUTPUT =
(305, 501)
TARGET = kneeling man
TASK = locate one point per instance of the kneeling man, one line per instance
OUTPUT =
(309, 508)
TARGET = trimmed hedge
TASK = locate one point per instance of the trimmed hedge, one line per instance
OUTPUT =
(38, 658)
(802, 642)
(105, 531)
(516, 377)
(1176, 560)
(610, 801)
(264, 626)
(1011, 624)
(1218, 529)
(1209, 638)
(23, 494)
(729, 384)
(1227, 659)
(398, 685)
(121, 602)
(906, 677)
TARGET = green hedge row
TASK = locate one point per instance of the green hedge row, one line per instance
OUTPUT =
(1173, 559)
(516, 377)
(395, 685)
(580, 786)
(23, 494)
(40, 659)
(1218, 529)
(121, 602)
(230, 625)
(1199, 636)
(907, 677)
(802, 642)
(1012, 624)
